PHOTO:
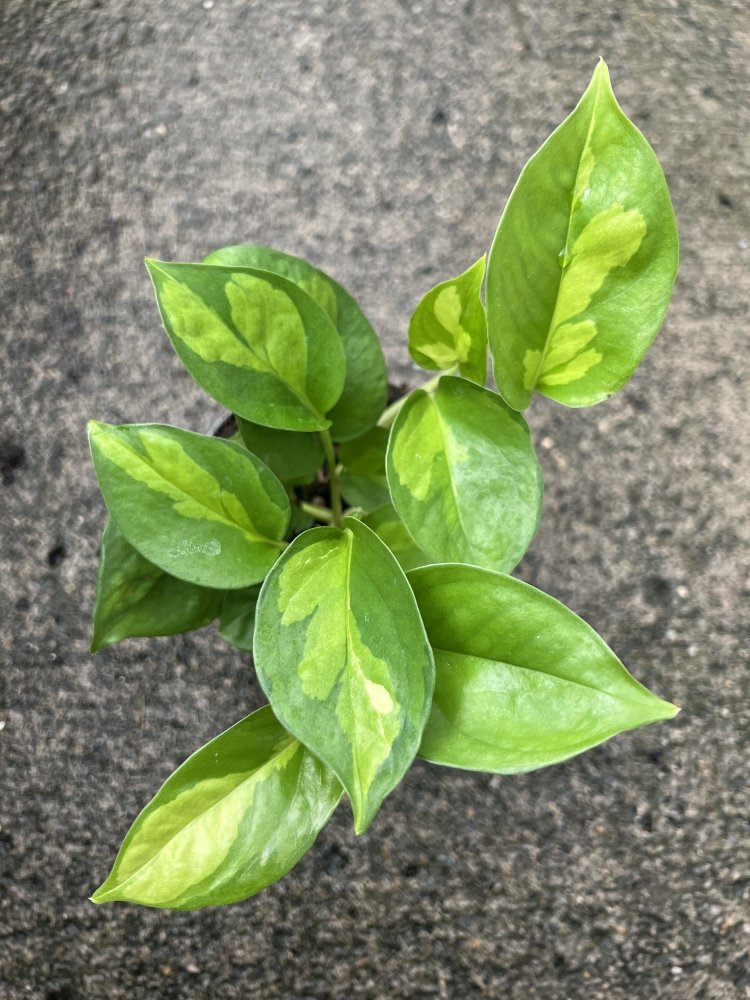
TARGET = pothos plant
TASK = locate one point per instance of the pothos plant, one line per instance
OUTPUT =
(361, 552)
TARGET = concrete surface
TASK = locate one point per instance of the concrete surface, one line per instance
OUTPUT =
(380, 140)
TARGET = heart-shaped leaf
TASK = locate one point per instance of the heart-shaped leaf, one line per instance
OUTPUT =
(203, 509)
(235, 817)
(294, 456)
(254, 340)
(449, 326)
(583, 263)
(365, 388)
(389, 527)
(521, 681)
(341, 652)
(363, 480)
(136, 598)
(463, 475)
(237, 622)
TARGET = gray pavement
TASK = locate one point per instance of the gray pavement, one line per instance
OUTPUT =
(380, 141)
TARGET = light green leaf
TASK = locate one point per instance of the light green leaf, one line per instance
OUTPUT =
(583, 263)
(294, 456)
(365, 389)
(389, 527)
(463, 475)
(235, 817)
(237, 621)
(136, 598)
(521, 681)
(363, 481)
(449, 326)
(203, 509)
(254, 340)
(341, 653)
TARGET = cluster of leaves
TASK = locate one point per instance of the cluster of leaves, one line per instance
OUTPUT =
(361, 552)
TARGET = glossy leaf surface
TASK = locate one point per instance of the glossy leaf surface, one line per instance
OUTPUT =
(463, 475)
(341, 652)
(203, 509)
(449, 326)
(136, 598)
(294, 456)
(521, 681)
(254, 340)
(237, 621)
(363, 480)
(365, 388)
(583, 263)
(389, 527)
(235, 817)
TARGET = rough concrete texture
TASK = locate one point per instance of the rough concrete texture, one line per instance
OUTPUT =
(379, 140)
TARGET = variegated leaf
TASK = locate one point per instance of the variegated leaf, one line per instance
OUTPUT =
(340, 651)
(449, 326)
(235, 817)
(463, 475)
(254, 340)
(583, 263)
(203, 509)
(365, 387)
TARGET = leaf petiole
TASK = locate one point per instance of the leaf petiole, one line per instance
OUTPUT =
(324, 514)
(390, 413)
(337, 509)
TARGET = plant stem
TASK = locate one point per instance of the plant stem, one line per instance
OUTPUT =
(333, 479)
(389, 415)
(324, 514)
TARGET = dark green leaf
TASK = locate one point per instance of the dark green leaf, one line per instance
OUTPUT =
(521, 681)
(294, 456)
(136, 598)
(463, 475)
(237, 620)
(363, 480)
(202, 509)
(365, 388)
(254, 340)
(449, 326)
(340, 651)
(581, 269)
(235, 817)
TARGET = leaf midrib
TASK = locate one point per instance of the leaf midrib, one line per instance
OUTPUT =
(253, 779)
(537, 670)
(551, 329)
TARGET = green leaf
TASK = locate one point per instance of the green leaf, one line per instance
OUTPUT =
(203, 509)
(341, 652)
(237, 620)
(136, 598)
(449, 326)
(521, 681)
(254, 340)
(235, 817)
(583, 263)
(365, 389)
(389, 527)
(463, 475)
(363, 481)
(294, 456)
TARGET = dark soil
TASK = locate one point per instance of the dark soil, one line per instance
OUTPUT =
(380, 141)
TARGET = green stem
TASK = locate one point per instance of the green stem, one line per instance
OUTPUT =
(324, 514)
(389, 415)
(333, 479)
